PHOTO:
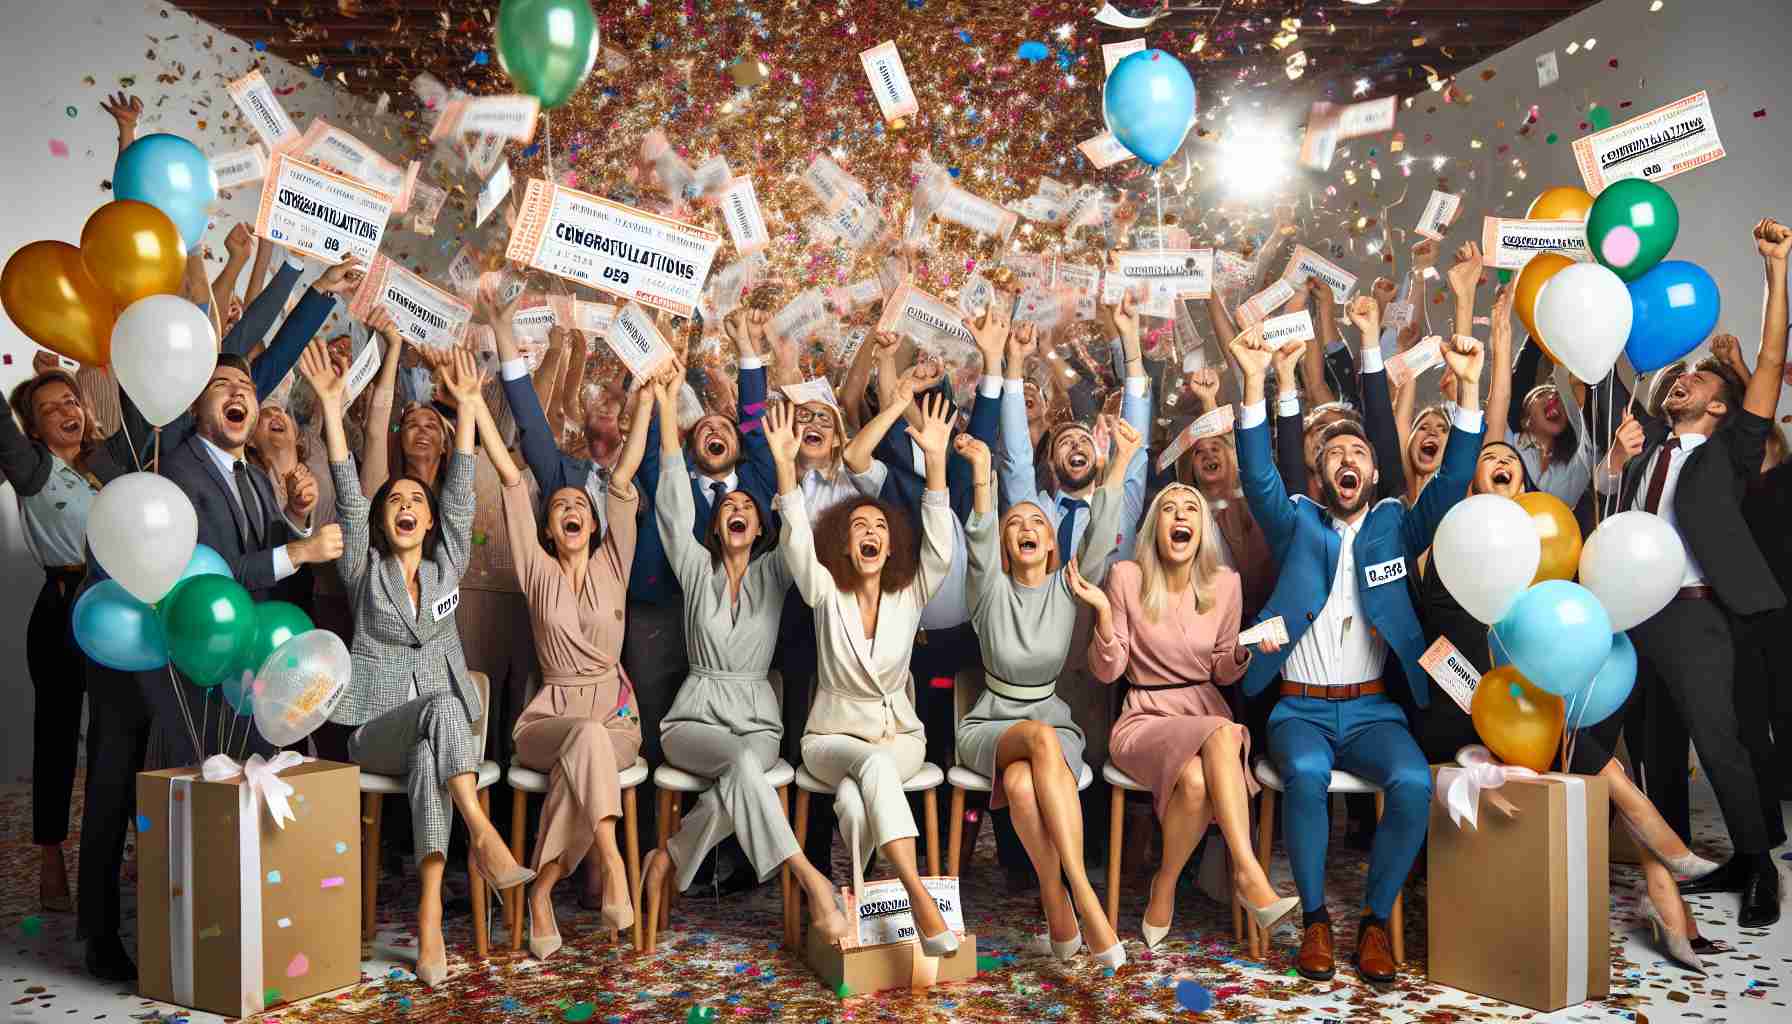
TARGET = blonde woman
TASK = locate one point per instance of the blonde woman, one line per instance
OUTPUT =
(1169, 623)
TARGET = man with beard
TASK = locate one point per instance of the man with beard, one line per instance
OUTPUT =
(721, 455)
(1343, 599)
(1695, 466)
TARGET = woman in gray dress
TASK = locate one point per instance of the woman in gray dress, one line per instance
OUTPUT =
(725, 723)
(1021, 734)
(411, 697)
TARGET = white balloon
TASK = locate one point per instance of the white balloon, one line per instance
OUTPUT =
(1486, 552)
(298, 686)
(163, 351)
(142, 528)
(1583, 314)
(1633, 563)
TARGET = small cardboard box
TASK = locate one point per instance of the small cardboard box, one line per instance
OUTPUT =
(867, 969)
(1518, 907)
(236, 915)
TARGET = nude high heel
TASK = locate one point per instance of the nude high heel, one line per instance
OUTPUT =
(1677, 946)
(1269, 916)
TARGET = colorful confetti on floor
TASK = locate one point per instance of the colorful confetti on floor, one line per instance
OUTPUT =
(720, 963)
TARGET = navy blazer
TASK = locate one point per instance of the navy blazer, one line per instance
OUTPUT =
(1306, 546)
(904, 487)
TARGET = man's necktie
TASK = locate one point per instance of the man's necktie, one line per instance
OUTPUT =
(1067, 526)
(251, 502)
(1658, 480)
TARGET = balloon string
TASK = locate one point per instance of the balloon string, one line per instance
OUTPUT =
(155, 460)
(186, 713)
(548, 145)
(1159, 179)
(124, 424)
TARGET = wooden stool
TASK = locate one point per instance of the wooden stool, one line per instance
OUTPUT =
(524, 781)
(925, 781)
(670, 783)
(1120, 784)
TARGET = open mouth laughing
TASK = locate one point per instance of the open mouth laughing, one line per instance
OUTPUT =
(405, 522)
(869, 549)
(572, 527)
(1181, 534)
(737, 525)
(1429, 447)
(1349, 480)
(236, 412)
(1502, 477)
(811, 437)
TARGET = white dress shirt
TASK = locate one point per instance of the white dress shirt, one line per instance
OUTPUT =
(1339, 648)
(1695, 573)
(226, 463)
(823, 489)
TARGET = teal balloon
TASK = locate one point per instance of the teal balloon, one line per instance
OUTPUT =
(1673, 309)
(1149, 103)
(1609, 689)
(1632, 226)
(239, 692)
(275, 623)
(172, 175)
(205, 562)
(1557, 635)
(117, 630)
(547, 47)
(210, 625)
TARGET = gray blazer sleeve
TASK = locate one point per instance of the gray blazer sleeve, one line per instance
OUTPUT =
(455, 544)
(351, 515)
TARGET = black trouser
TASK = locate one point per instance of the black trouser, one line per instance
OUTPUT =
(59, 680)
(655, 658)
(796, 661)
(118, 724)
(1762, 706)
(1686, 670)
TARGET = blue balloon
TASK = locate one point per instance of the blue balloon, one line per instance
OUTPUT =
(239, 692)
(1557, 635)
(117, 630)
(205, 562)
(1149, 103)
(1609, 689)
(1673, 310)
(172, 175)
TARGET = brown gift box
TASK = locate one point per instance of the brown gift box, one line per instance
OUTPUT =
(197, 925)
(867, 969)
(1509, 916)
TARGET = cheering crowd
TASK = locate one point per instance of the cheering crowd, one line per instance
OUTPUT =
(699, 570)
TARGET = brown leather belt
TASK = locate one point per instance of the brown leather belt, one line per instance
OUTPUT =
(1349, 691)
(1698, 593)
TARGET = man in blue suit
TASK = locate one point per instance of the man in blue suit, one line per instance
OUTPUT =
(1343, 597)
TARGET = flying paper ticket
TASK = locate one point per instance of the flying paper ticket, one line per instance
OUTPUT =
(1510, 244)
(1104, 151)
(1295, 326)
(534, 321)
(741, 213)
(957, 206)
(483, 154)
(722, 295)
(814, 391)
(1440, 211)
(256, 99)
(240, 167)
(361, 371)
(975, 295)
(852, 224)
(493, 192)
(1402, 368)
(1269, 629)
(426, 315)
(507, 117)
(923, 317)
(1047, 308)
(1329, 124)
(1399, 315)
(832, 185)
(802, 317)
(1211, 424)
(1260, 305)
(1167, 237)
(1082, 282)
(1454, 674)
(1306, 263)
(592, 318)
(463, 270)
(426, 206)
(615, 248)
(711, 176)
(1664, 142)
(330, 147)
(1111, 15)
(323, 215)
(637, 342)
(857, 295)
(1175, 273)
(1114, 53)
(889, 81)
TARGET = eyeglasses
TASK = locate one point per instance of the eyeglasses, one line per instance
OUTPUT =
(814, 416)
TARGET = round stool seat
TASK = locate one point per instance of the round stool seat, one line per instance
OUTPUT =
(971, 782)
(677, 780)
(394, 785)
(1116, 777)
(529, 780)
(928, 777)
(1341, 782)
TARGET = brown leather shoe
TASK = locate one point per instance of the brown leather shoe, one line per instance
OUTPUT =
(1374, 952)
(1315, 961)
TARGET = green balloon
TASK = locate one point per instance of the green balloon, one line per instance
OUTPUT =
(275, 623)
(1632, 226)
(210, 625)
(547, 47)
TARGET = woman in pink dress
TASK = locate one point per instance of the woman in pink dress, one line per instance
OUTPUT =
(1168, 622)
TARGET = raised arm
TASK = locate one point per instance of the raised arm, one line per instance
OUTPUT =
(1017, 477)
(858, 453)
(634, 447)
(236, 246)
(125, 109)
(796, 538)
(1499, 370)
(1263, 487)
(938, 534)
(1316, 295)
(1110, 642)
(1110, 504)
(276, 361)
(351, 533)
(1465, 358)
(1773, 240)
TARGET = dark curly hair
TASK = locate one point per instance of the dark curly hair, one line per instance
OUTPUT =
(376, 534)
(761, 543)
(833, 532)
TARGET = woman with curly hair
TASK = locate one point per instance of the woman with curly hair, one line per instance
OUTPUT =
(862, 571)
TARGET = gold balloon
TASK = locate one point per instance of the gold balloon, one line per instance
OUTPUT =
(1531, 280)
(50, 296)
(1562, 203)
(1559, 532)
(1521, 724)
(134, 251)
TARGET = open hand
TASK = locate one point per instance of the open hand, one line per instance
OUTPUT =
(125, 109)
(1126, 438)
(779, 425)
(1086, 592)
(936, 426)
(460, 375)
(321, 373)
(301, 492)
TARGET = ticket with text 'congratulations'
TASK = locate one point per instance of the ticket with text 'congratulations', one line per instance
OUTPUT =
(323, 215)
(427, 316)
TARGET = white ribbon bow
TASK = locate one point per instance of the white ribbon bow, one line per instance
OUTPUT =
(262, 777)
(1459, 788)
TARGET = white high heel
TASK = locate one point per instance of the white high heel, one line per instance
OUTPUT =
(943, 944)
(1675, 944)
(1686, 867)
(1113, 957)
(1043, 943)
(1154, 934)
(1269, 916)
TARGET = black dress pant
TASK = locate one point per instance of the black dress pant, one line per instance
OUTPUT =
(655, 658)
(796, 661)
(59, 682)
(1764, 708)
(118, 725)
(1686, 672)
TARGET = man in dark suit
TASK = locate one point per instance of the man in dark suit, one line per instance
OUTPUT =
(1343, 598)
(1695, 466)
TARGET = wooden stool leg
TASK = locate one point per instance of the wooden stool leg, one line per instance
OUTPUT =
(667, 801)
(785, 878)
(954, 831)
(1116, 820)
(480, 894)
(930, 804)
(370, 861)
(1266, 832)
(672, 893)
(513, 900)
(632, 853)
(794, 915)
